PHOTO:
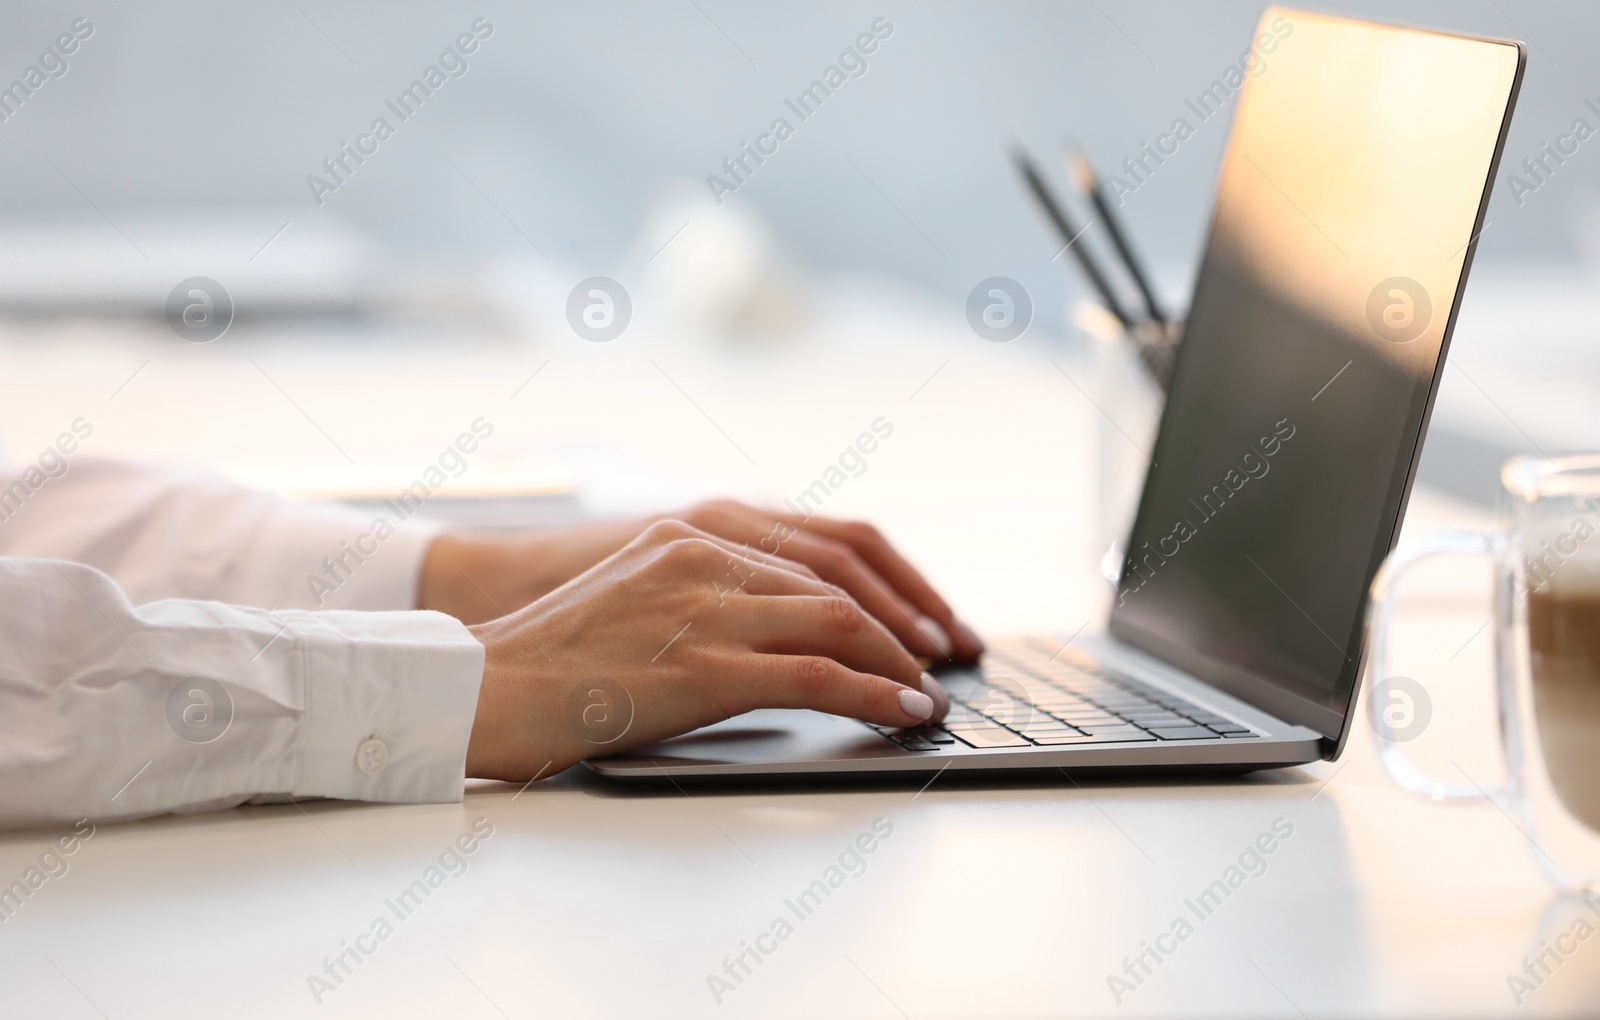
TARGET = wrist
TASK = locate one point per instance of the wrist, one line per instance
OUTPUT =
(484, 754)
(474, 579)
(516, 733)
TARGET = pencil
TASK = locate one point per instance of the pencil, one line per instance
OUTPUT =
(1079, 164)
(1064, 227)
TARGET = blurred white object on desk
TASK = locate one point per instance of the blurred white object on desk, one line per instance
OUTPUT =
(493, 495)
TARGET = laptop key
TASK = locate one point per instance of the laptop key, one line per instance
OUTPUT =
(1039, 719)
(1184, 733)
(988, 736)
(1129, 737)
(1123, 730)
(1056, 730)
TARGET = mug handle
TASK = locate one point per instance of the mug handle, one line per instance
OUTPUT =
(1380, 609)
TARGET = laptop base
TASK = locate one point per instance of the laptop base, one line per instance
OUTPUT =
(1026, 710)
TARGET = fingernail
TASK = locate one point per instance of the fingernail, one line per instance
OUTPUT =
(935, 690)
(936, 634)
(969, 637)
(916, 704)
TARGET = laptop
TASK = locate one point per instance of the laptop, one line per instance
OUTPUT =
(1348, 208)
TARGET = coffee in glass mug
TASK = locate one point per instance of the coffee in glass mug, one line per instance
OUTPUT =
(1564, 665)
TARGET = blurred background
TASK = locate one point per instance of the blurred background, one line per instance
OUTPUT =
(768, 328)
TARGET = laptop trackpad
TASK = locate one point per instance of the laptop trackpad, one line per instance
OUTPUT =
(766, 736)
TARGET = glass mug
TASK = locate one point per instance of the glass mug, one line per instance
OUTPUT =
(1546, 634)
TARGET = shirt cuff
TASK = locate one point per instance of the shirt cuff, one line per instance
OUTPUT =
(318, 557)
(389, 704)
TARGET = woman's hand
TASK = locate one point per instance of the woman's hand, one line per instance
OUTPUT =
(477, 579)
(677, 630)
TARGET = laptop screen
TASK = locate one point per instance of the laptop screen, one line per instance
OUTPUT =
(1346, 212)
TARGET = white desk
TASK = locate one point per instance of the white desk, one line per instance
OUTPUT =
(592, 899)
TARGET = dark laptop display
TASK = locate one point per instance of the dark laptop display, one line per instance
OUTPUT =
(1346, 212)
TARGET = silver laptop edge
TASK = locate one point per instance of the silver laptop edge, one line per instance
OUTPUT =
(778, 743)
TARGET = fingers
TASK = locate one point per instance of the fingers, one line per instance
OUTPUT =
(837, 627)
(796, 612)
(731, 569)
(916, 600)
(874, 550)
(750, 578)
(821, 683)
(836, 562)
(667, 533)
(783, 608)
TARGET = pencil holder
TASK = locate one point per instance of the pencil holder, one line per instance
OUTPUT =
(1132, 368)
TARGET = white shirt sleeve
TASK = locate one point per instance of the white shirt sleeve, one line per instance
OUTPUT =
(187, 533)
(108, 711)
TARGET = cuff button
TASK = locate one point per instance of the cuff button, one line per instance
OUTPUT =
(372, 756)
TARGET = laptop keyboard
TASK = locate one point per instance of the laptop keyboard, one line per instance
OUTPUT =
(1027, 695)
